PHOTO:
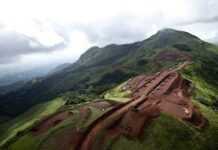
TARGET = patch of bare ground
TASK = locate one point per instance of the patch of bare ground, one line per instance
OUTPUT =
(50, 122)
(172, 55)
(164, 92)
(65, 140)
(102, 104)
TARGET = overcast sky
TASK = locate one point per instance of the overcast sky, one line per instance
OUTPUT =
(36, 32)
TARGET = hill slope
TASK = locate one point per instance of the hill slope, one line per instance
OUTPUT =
(99, 69)
(159, 113)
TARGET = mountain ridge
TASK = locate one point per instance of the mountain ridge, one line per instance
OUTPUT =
(159, 110)
(158, 93)
(110, 65)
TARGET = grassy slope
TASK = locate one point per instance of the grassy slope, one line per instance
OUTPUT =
(204, 92)
(28, 119)
(159, 135)
(117, 94)
(28, 141)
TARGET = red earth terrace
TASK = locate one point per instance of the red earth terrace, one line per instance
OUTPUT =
(164, 92)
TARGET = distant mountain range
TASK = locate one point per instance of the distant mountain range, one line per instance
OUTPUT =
(12, 81)
(25, 75)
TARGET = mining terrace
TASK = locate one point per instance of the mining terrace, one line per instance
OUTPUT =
(164, 92)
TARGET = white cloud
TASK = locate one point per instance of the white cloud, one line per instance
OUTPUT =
(83, 23)
(78, 42)
(34, 18)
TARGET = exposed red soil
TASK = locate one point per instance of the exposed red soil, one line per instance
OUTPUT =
(84, 112)
(108, 120)
(164, 92)
(132, 124)
(65, 140)
(168, 55)
(197, 118)
(110, 134)
(50, 122)
(102, 104)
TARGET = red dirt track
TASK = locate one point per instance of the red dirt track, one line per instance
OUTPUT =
(165, 92)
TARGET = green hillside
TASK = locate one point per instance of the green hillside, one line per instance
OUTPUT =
(164, 132)
(19, 125)
(99, 69)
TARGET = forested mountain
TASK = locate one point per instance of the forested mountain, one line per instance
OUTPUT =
(99, 69)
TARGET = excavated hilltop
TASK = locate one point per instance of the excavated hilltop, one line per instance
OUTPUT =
(165, 92)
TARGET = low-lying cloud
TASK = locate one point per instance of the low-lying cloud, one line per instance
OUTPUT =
(13, 45)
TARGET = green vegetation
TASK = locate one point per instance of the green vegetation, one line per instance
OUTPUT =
(26, 140)
(210, 134)
(15, 127)
(164, 133)
(77, 98)
(118, 94)
(159, 135)
(100, 69)
(204, 91)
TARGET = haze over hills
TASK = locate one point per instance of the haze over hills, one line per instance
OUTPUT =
(14, 46)
(59, 68)
(99, 69)
(16, 76)
(11, 81)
